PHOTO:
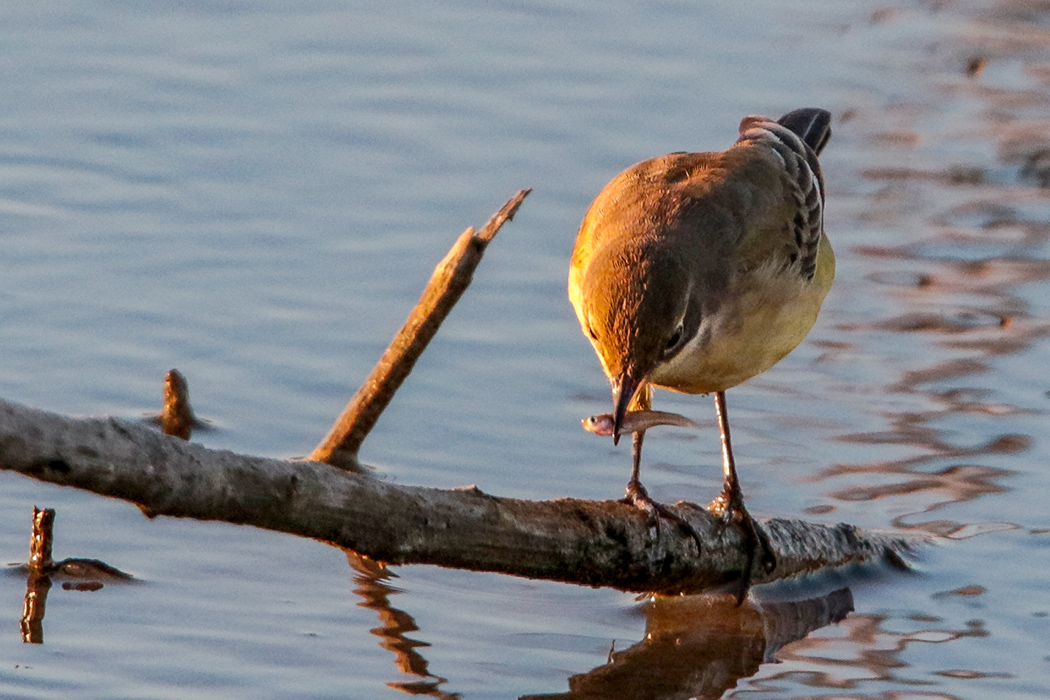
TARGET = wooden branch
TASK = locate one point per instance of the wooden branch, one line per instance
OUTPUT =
(176, 418)
(40, 540)
(450, 279)
(574, 541)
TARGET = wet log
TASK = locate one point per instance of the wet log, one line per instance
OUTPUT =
(592, 543)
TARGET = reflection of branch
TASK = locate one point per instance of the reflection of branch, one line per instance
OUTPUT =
(38, 583)
(395, 625)
(450, 280)
(86, 575)
(585, 542)
(32, 623)
(700, 646)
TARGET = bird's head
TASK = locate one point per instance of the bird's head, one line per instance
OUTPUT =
(640, 307)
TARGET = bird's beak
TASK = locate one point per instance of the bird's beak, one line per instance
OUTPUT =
(623, 392)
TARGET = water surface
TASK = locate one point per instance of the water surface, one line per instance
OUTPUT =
(256, 193)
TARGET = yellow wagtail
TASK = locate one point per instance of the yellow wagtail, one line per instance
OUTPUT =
(697, 271)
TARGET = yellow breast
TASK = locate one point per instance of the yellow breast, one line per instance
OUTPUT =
(765, 315)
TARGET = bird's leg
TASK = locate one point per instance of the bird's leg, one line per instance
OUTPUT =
(730, 504)
(634, 486)
(635, 494)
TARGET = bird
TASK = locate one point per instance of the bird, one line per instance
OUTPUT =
(696, 271)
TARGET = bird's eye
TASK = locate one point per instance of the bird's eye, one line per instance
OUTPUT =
(675, 338)
(591, 334)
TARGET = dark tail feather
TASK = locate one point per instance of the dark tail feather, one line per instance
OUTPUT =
(811, 125)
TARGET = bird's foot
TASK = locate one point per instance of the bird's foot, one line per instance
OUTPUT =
(729, 507)
(636, 495)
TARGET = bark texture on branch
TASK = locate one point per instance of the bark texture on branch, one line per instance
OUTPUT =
(573, 541)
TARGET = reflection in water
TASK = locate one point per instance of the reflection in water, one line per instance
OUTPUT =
(76, 575)
(371, 586)
(960, 287)
(700, 646)
(863, 652)
(32, 621)
(992, 322)
(963, 278)
(954, 218)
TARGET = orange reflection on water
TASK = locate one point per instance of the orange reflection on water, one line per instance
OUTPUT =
(972, 313)
(862, 656)
(371, 584)
(701, 646)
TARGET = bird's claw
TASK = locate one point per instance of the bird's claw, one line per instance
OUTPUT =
(636, 495)
(729, 507)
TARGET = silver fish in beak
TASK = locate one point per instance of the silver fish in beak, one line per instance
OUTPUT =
(635, 421)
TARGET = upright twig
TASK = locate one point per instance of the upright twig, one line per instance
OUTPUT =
(177, 416)
(450, 279)
(40, 541)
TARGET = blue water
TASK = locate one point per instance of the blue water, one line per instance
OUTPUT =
(255, 193)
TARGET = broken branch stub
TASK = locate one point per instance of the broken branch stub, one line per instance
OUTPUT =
(450, 279)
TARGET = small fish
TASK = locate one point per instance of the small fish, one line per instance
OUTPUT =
(635, 421)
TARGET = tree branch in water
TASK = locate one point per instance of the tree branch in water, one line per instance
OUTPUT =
(592, 543)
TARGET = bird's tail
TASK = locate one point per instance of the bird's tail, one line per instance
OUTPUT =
(812, 125)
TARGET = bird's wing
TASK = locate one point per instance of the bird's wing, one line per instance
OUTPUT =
(790, 232)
